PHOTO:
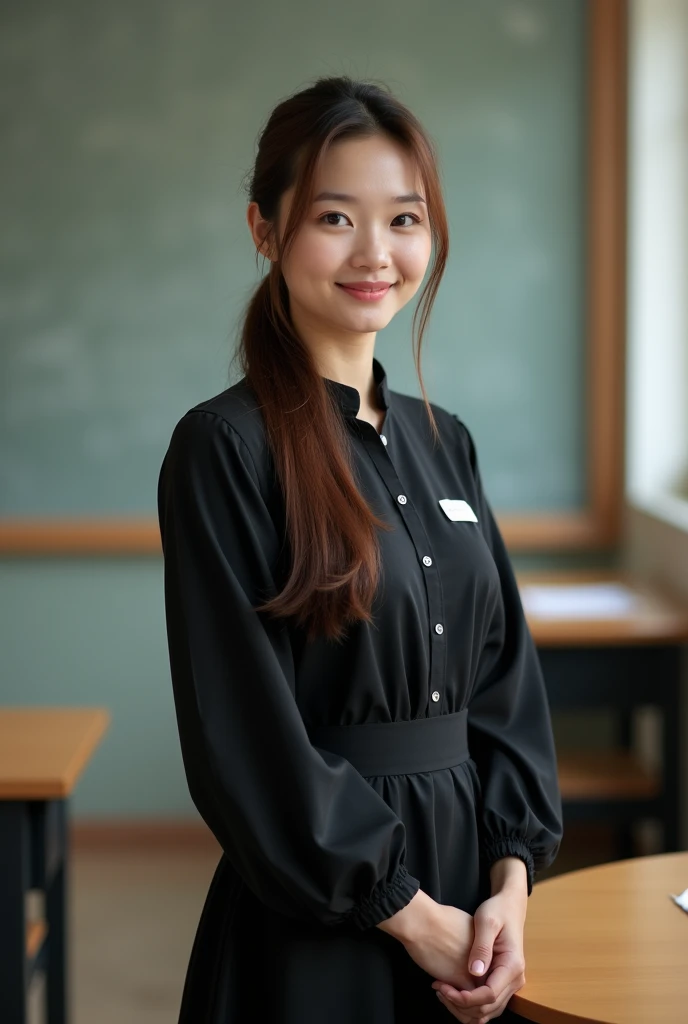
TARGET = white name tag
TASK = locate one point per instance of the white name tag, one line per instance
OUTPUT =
(457, 510)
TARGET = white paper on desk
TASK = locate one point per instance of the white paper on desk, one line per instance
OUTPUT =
(681, 899)
(578, 600)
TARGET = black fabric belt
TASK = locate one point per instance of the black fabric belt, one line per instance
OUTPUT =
(398, 748)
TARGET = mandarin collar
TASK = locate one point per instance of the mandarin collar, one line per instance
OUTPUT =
(348, 397)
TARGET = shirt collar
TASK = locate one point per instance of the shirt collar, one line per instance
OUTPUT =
(348, 397)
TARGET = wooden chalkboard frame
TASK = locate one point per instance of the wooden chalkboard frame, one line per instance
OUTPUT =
(597, 525)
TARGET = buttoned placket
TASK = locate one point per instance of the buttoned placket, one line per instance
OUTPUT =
(377, 447)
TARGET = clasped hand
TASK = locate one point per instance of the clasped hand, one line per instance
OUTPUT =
(494, 936)
(497, 945)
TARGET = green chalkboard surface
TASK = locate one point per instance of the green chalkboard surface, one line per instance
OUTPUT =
(125, 256)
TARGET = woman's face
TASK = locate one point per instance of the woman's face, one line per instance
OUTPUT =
(372, 231)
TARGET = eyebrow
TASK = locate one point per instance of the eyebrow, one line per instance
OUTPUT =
(410, 197)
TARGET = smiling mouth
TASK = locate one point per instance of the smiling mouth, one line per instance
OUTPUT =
(367, 286)
(369, 293)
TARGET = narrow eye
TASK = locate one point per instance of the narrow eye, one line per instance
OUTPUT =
(416, 220)
(330, 215)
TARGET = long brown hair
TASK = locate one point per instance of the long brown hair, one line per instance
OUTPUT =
(334, 550)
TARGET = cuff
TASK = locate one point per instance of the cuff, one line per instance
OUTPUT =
(385, 902)
(511, 846)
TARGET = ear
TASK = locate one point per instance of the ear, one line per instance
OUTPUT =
(260, 230)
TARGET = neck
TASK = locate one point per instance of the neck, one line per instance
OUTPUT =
(352, 368)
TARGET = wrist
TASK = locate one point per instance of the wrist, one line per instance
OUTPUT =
(509, 874)
(413, 920)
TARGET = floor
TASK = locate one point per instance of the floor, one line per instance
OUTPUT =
(133, 914)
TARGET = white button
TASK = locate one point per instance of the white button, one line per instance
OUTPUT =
(402, 499)
(435, 695)
(383, 438)
(439, 628)
(427, 560)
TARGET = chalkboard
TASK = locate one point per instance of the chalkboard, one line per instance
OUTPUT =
(125, 256)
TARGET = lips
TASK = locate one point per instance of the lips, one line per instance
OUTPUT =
(367, 294)
(367, 286)
(366, 291)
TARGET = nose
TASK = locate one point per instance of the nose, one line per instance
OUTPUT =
(371, 250)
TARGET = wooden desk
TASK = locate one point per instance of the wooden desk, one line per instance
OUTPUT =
(623, 664)
(42, 753)
(606, 945)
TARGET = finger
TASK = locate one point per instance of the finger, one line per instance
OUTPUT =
(483, 1012)
(487, 1011)
(491, 1014)
(453, 1010)
(465, 997)
(493, 1010)
(466, 1016)
(480, 956)
(500, 978)
(467, 983)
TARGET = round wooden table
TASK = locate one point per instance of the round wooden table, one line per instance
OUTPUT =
(606, 945)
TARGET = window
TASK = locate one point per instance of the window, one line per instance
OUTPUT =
(657, 303)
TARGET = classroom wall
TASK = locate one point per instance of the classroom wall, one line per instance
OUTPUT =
(91, 632)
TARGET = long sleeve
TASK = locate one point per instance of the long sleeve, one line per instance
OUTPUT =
(509, 723)
(305, 832)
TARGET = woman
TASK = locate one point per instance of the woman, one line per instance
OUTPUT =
(362, 717)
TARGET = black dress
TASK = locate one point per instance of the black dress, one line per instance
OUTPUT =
(325, 830)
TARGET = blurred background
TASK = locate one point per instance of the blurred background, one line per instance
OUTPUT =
(560, 335)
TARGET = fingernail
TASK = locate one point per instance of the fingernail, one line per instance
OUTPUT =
(478, 967)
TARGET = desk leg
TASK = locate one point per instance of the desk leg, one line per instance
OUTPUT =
(624, 833)
(671, 736)
(14, 884)
(56, 915)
